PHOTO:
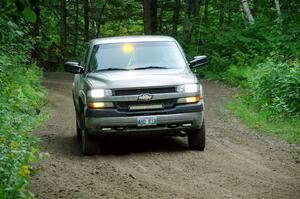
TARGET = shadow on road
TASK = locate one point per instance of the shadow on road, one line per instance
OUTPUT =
(117, 145)
(123, 145)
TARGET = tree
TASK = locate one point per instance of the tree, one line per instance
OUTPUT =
(100, 18)
(222, 12)
(161, 13)
(63, 27)
(206, 12)
(192, 8)
(76, 26)
(247, 11)
(86, 8)
(150, 16)
(36, 52)
(176, 10)
(277, 5)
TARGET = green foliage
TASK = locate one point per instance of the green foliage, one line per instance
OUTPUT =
(29, 15)
(18, 8)
(20, 103)
(275, 87)
(281, 127)
(261, 58)
(21, 99)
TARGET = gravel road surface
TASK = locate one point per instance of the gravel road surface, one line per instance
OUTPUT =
(237, 163)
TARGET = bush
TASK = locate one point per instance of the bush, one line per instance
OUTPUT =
(258, 59)
(276, 87)
(21, 99)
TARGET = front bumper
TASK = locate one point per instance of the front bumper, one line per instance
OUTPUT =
(168, 121)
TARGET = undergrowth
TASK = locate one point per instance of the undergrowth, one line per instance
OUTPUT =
(264, 62)
(21, 99)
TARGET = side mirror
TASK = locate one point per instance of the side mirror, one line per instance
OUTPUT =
(198, 61)
(74, 67)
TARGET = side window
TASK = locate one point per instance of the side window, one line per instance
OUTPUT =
(93, 64)
(85, 57)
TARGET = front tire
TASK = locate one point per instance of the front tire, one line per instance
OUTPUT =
(78, 132)
(196, 138)
(89, 144)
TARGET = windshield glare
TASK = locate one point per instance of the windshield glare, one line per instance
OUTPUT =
(136, 55)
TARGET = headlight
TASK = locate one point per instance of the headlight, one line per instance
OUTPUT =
(188, 88)
(99, 93)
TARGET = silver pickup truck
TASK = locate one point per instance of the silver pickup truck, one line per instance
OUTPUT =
(137, 85)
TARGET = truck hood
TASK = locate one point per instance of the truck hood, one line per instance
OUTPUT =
(141, 78)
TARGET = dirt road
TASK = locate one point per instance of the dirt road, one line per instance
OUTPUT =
(237, 163)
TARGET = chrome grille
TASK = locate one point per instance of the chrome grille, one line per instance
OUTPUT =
(167, 103)
(138, 91)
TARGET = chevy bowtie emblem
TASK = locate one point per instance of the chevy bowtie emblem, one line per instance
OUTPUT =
(145, 97)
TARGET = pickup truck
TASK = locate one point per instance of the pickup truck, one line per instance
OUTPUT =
(137, 85)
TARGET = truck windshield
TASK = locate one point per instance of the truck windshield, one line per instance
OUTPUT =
(136, 56)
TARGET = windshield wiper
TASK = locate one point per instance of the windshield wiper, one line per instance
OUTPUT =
(150, 67)
(104, 69)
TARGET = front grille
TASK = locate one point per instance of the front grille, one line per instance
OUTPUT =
(167, 103)
(120, 92)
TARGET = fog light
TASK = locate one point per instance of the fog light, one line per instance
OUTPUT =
(106, 129)
(192, 99)
(99, 105)
(96, 105)
(173, 125)
(120, 128)
(186, 124)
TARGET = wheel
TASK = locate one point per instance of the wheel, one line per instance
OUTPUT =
(196, 138)
(89, 144)
(78, 132)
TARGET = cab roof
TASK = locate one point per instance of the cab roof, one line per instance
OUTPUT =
(129, 39)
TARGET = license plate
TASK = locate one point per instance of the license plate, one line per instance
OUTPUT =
(147, 121)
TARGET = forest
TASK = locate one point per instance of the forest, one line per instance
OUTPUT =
(251, 44)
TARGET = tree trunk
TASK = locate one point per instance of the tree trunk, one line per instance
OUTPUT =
(196, 7)
(206, 12)
(150, 16)
(36, 53)
(277, 7)
(176, 11)
(191, 17)
(161, 16)
(196, 19)
(76, 27)
(154, 16)
(229, 11)
(86, 10)
(247, 11)
(255, 7)
(63, 27)
(100, 18)
(222, 12)
(187, 23)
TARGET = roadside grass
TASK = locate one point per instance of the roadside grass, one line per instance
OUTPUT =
(22, 98)
(268, 96)
(280, 127)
